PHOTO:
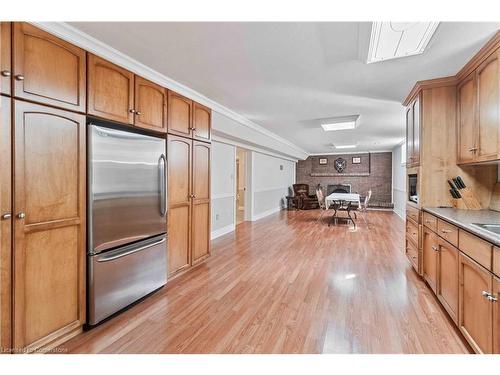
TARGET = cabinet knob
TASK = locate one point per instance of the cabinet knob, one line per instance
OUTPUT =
(21, 215)
(445, 230)
(473, 149)
(19, 77)
(492, 299)
(6, 216)
(435, 248)
(138, 113)
(131, 110)
(6, 73)
(485, 294)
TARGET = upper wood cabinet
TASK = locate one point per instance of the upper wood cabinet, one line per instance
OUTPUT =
(5, 225)
(47, 69)
(201, 201)
(409, 135)
(150, 105)
(447, 278)
(5, 57)
(413, 130)
(430, 258)
(201, 122)
(179, 115)
(476, 310)
(110, 91)
(49, 225)
(478, 113)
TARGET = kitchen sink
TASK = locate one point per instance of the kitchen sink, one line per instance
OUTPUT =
(494, 228)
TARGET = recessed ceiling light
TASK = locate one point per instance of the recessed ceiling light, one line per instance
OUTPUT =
(345, 146)
(340, 123)
(391, 40)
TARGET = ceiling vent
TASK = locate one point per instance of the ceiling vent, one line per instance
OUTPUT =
(392, 40)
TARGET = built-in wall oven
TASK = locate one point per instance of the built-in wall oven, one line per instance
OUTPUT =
(127, 239)
(413, 187)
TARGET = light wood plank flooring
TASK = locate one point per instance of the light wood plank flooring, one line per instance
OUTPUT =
(289, 284)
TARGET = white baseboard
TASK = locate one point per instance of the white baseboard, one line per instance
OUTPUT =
(400, 214)
(265, 213)
(222, 231)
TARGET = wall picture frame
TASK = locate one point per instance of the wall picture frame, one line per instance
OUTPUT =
(356, 160)
(323, 161)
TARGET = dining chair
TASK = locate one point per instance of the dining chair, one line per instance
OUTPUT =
(363, 208)
(321, 202)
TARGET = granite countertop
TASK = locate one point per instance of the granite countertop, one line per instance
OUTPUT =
(465, 218)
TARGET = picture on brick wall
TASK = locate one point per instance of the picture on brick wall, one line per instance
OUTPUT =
(323, 161)
(356, 160)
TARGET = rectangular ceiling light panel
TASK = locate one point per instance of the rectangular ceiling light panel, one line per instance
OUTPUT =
(340, 123)
(345, 146)
(392, 40)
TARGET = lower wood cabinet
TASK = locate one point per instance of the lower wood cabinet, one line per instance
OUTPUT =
(430, 258)
(188, 202)
(476, 310)
(447, 277)
(49, 226)
(496, 315)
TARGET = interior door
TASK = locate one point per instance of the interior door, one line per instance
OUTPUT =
(5, 225)
(179, 203)
(447, 278)
(5, 48)
(179, 114)
(476, 311)
(466, 109)
(110, 91)
(150, 105)
(430, 262)
(49, 225)
(201, 201)
(409, 135)
(416, 132)
(488, 108)
(47, 69)
(201, 122)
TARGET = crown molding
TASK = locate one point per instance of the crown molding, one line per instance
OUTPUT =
(429, 84)
(95, 46)
(480, 56)
(349, 153)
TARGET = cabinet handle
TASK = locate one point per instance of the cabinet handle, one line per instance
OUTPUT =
(20, 77)
(445, 230)
(6, 73)
(492, 299)
(6, 216)
(131, 110)
(138, 113)
(485, 294)
(435, 248)
(21, 215)
(473, 149)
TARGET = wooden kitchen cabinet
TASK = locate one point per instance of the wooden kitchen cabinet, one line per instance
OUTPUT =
(5, 224)
(430, 248)
(476, 311)
(110, 91)
(201, 201)
(201, 122)
(488, 109)
(413, 130)
(447, 277)
(179, 115)
(496, 315)
(47, 69)
(179, 203)
(150, 105)
(466, 120)
(5, 57)
(49, 226)
(409, 135)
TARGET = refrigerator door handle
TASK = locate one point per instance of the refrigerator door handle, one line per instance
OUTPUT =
(110, 257)
(162, 165)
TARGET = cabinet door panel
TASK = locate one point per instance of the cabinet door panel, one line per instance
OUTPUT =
(416, 132)
(496, 316)
(430, 255)
(151, 105)
(466, 132)
(179, 115)
(409, 135)
(488, 109)
(49, 254)
(54, 71)
(447, 282)
(111, 91)
(5, 48)
(201, 122)
(201, 200)
(179, 203)
(476, 311)
(5, 224)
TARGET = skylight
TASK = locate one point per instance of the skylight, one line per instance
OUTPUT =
(340, 123)
(391, 40)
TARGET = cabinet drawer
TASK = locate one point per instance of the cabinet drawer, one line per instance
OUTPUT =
(496, 260)
(430, 221)
(412, 254)
(476, 248)
(412, 231)
(447, 231)
(413, 213)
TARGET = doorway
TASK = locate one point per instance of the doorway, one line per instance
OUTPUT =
(241, 185)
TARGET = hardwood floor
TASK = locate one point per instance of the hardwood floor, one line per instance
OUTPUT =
(287, 284)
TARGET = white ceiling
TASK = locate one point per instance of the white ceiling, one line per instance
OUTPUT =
(286, 77)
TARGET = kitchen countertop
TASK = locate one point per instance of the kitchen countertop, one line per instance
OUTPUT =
(464, 219)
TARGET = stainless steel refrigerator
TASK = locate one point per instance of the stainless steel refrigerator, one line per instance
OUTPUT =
(127, 243)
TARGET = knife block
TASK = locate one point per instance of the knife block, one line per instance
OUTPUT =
(469, 199)
(458, 203)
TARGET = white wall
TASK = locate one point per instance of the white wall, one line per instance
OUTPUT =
(272, 178)
(398, 182)
(222, 189)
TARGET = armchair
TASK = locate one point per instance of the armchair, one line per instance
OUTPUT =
(306, 200)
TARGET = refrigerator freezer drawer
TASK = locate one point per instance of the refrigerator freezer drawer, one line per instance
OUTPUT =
(120, 277)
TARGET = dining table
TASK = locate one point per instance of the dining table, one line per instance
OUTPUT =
(342, 199)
